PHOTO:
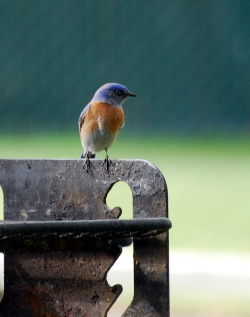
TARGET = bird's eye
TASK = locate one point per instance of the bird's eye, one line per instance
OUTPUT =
(119, 92)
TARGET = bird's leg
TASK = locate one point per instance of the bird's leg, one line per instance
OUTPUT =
(87, 164)
(107, 161)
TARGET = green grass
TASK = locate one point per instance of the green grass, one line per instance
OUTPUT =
(208, 181)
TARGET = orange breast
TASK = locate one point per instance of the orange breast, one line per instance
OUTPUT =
(107, 117)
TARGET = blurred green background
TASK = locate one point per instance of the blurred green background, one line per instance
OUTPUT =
(188, 62)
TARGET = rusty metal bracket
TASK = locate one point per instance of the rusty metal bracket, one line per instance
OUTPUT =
(59, 241)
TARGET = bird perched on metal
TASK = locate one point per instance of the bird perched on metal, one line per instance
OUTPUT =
(101, 120)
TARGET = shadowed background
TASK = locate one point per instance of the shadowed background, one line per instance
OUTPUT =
(188, 62)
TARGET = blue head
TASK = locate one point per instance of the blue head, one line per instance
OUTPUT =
(113, 94)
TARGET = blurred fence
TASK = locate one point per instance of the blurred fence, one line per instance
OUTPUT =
(187, 60)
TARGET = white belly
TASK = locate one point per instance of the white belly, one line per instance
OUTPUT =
(98, 141)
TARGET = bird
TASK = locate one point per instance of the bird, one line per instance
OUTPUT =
(101, 120)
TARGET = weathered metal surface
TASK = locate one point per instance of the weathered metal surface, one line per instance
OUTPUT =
(74, 234)
(73, 282)
(96, 228)
(68, 283)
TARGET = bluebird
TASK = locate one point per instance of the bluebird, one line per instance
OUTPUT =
(101, 120)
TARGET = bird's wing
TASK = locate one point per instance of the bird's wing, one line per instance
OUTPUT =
(82, 116)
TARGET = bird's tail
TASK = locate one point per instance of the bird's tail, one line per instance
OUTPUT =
(83, 155)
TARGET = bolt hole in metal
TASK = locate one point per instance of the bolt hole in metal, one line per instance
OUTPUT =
(1, 254)
(122, 272)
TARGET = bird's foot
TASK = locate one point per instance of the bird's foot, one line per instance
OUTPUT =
(106, 163)
(87, 164)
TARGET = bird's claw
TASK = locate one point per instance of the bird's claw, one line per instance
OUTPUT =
(87, 164)
(106, 163)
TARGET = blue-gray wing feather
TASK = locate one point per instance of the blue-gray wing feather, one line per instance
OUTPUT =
(81, 118)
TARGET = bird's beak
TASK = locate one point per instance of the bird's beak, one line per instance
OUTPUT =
(131, 95)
